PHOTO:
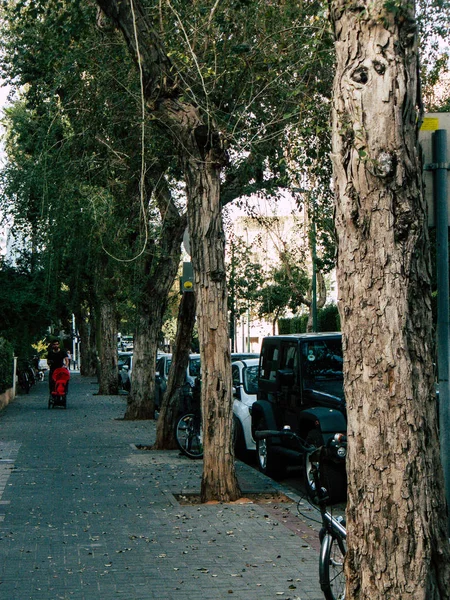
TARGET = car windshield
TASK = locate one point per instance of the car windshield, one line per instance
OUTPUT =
(124, 361)
(251, 379)
(194, 367)
(322, 365)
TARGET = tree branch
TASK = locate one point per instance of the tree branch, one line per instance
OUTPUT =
(146, 47)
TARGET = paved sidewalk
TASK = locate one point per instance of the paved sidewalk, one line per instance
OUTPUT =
(86, 515)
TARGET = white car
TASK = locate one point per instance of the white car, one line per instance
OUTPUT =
(245, 387)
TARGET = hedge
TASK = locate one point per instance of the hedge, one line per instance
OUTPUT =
(6, 365)
(327, 320)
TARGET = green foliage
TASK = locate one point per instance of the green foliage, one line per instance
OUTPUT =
(41, 347)
(433, 19)
(286, 289)
(245, 277)
(25, 308)
(327, 320)
(287, 326)
(6, 365)
(261, 71)
(73, 173)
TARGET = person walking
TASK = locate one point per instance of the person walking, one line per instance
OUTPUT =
(57, 357)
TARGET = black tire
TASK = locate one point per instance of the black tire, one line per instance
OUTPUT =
(331, 567)
(332, 475)
(189, 436)
(24, 382)
(240, 449)
(268, 462)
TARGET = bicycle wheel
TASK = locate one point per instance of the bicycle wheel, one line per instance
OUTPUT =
(331, 567)
(332, 476)
(189, 436)
(24, 382)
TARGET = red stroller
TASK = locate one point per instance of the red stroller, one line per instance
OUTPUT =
(58, 396)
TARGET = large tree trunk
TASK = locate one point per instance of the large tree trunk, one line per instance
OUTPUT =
(396, 516)
(165, 431)
(108, 369)
(208, 258)
(140, 401)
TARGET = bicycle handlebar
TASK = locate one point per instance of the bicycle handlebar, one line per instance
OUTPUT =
(266, 433)
(337, 440)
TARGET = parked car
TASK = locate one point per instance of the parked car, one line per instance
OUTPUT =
(192, 372)
(125, 343)
(162, 374)
(245, 387)
(43, 364)
(300, 386)
(240, 355)
(125, 369)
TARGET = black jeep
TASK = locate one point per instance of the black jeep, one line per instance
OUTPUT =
(300, 387)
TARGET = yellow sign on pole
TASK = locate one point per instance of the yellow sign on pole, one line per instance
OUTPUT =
(187, 279)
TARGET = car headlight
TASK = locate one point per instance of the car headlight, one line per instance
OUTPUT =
(342, 452)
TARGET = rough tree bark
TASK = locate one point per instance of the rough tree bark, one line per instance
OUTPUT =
(107, 348)
(88, 352)
(202, 155)
(159, 271)
(202, 164)
(396, 516)
(165, 431)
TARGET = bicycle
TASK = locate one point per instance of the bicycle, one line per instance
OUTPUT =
(189, 430)
(333, 534)
(189, 435)
(24, 380)
(25, 375)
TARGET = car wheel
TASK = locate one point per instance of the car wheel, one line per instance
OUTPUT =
(240, 448)
(332, 476)
(268, 461)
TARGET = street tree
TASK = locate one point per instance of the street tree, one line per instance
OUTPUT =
(202, 157)
(154, 274)
(97, 212)
(192, 59)
(396, 514)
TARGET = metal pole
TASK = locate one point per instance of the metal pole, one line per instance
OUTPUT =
(248, 329)
(14, 376)
(440, 167)
(314, 272)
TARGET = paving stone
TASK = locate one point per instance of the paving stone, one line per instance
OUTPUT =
(85, 515)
